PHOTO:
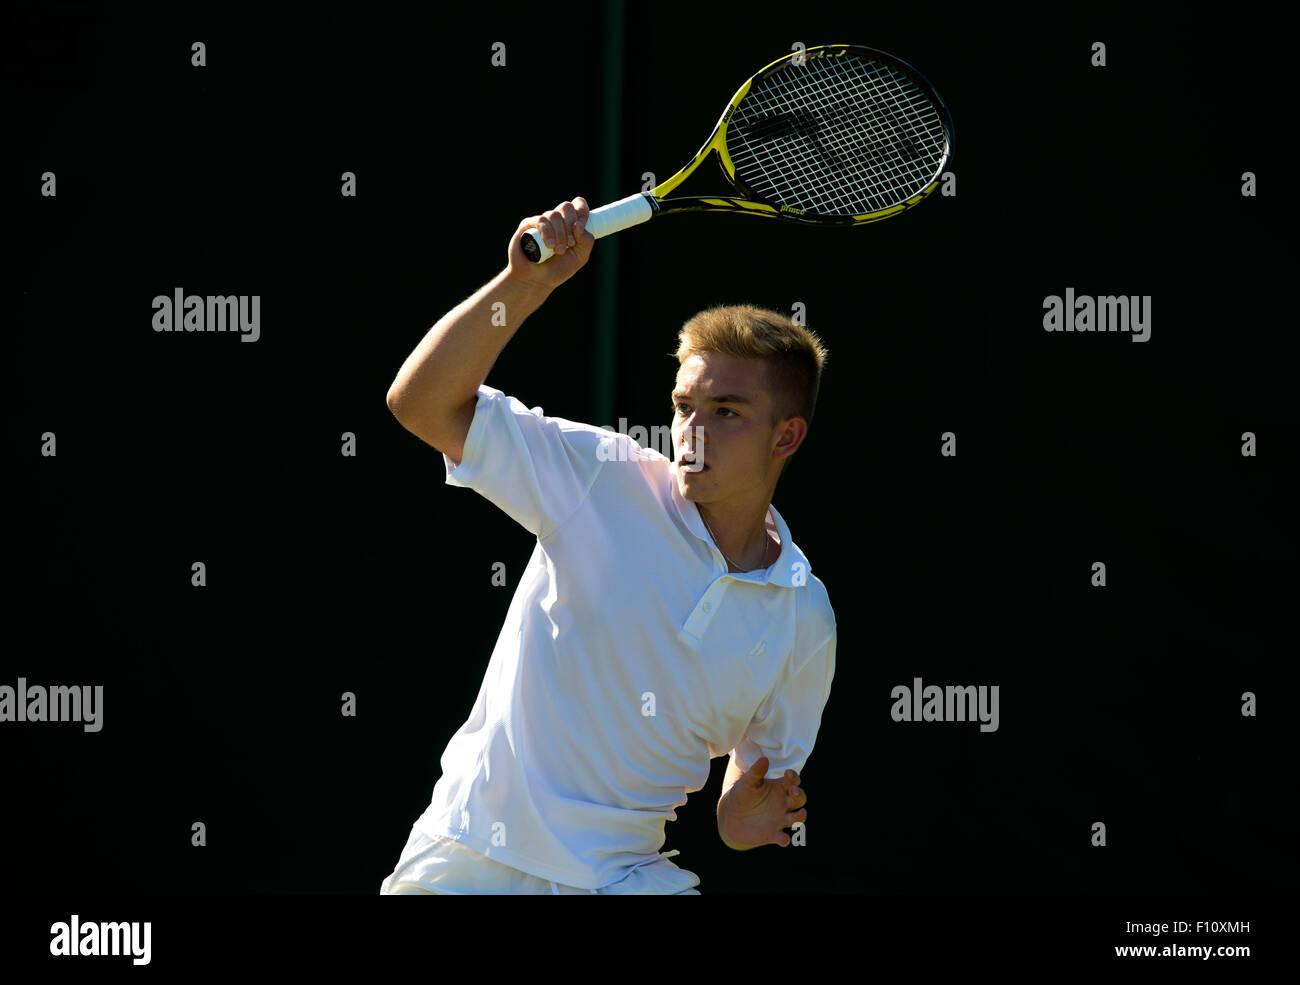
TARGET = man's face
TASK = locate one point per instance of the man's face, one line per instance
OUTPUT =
(722, 414)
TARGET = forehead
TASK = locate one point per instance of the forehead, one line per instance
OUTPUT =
(712, 372)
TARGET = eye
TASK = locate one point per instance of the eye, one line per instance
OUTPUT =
(684, 409)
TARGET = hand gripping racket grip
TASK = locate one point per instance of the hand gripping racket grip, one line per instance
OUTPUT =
(601, 222)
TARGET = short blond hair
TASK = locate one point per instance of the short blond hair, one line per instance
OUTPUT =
(794, 355)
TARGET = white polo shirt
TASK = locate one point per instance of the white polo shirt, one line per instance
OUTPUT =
(629, 656)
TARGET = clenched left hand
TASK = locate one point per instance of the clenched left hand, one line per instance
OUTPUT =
(755, 810)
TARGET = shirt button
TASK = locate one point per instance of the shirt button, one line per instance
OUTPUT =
(708, 606)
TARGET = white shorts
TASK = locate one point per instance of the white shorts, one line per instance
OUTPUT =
(445, 867)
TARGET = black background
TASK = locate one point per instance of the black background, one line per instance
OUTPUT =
(329, 574)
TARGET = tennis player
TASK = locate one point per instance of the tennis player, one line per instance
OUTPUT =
(665, 618)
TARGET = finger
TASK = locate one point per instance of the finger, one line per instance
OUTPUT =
(757, 771)
(583, 213)
(561, 228)
(796, 817)
(543, 229)
(570, 215)
(795, 798)
(559, 237)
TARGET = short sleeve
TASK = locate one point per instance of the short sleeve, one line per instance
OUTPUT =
(537, 469)
(785, 726)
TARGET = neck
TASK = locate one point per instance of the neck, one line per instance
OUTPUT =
(741, 535)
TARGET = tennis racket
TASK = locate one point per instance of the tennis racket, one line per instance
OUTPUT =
(844, 136)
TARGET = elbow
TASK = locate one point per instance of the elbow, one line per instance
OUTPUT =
(394, 401)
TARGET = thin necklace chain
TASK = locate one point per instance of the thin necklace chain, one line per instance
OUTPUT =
(767, 545)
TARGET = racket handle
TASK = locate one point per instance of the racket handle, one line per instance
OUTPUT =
(601, 222)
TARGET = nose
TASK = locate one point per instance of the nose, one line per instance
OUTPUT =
(692, 433)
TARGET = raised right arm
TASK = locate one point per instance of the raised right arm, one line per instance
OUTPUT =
(435, 391)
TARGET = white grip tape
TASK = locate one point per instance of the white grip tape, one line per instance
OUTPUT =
(607, 219)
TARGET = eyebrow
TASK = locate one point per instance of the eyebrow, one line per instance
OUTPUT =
(719, 398)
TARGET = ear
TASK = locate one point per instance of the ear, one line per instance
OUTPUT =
(788, 436)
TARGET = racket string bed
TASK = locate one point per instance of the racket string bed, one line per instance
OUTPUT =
(810, 188)
(810, 179)
(859, 137)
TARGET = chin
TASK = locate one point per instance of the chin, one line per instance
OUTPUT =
(694, 485)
